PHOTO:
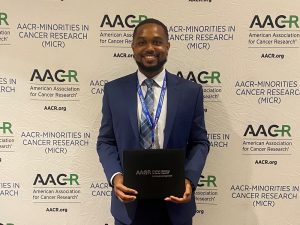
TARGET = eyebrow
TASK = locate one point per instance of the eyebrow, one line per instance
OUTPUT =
(142, 37)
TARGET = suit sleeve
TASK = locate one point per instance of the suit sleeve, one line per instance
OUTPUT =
(106, 144)
(198, 144)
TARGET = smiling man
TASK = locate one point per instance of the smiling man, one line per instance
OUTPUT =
(152, 109)
(150, 47)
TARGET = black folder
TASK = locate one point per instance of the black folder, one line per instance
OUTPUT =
(155, 174)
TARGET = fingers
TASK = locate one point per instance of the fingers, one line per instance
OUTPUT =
(186, 195)
(123, 193)
(186, 198)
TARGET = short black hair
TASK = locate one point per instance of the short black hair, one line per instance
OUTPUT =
(151, 20)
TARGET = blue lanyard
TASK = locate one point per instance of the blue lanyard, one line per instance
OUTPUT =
(145, 110)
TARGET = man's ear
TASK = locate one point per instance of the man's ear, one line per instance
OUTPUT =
(168, 45)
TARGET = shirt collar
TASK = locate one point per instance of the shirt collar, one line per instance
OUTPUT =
(159, 78)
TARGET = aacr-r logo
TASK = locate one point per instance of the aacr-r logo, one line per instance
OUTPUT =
(280, 21)
(3, 21)
(129, 21)
(58, 75)
(5, 128)
(272, 130)
(61, 179)
(208, 182)
(202, 77)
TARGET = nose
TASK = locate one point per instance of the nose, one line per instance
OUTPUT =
(149, 47)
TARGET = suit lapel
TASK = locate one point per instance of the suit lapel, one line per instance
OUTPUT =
(172, 104)
(130, 96)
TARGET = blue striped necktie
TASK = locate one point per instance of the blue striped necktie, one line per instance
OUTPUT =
(146, 129)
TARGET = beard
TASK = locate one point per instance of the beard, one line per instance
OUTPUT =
(151, 69)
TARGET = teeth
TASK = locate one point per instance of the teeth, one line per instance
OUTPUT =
(149, 56)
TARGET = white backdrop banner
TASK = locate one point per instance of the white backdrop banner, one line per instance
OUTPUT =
(57, 55)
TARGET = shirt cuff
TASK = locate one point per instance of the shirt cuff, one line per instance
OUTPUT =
(112, 178)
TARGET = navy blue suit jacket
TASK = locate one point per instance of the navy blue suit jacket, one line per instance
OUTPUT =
(184, 129)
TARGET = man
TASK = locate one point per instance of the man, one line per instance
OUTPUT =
(176, 104)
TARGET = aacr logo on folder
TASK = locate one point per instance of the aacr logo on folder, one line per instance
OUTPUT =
(155, 174)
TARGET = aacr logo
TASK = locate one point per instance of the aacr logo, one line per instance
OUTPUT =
(202, 77)
(5, 128)
(273, 131)
(61, 179)
(58, 75)
(129, 21)
(280, 21)
(3, 21)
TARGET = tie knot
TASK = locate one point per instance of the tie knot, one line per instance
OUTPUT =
(149, 82)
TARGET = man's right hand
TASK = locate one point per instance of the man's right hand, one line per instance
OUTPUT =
(123, 193)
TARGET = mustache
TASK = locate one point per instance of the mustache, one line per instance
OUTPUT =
(155, 55)
(154, 68)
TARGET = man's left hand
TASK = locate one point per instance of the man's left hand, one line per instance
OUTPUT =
(186, 196)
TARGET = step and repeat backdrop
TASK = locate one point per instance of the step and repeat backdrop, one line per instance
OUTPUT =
(57, 55)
